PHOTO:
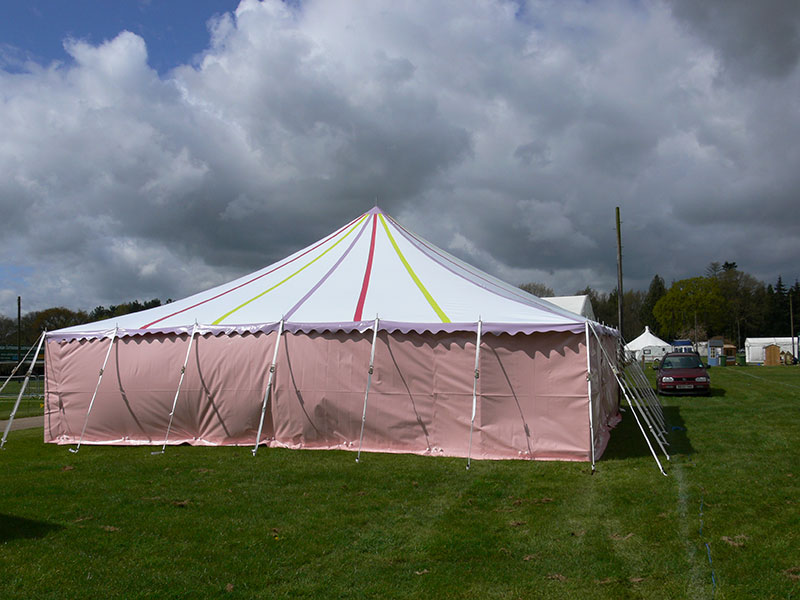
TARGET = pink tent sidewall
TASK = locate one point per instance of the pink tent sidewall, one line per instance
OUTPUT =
(532, 402)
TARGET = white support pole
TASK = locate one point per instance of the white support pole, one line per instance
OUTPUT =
(15, 369)
(589, 388)
(22, 389)
(648, 397)
(268, 391)
(626, 393)
(178, 391)
(632, 396)
(475, 391)
(369, 382)
(97, 387)
(643, 393)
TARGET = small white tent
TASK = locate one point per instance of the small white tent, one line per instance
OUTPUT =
(580, 305)
(754, 347)
(648, 346)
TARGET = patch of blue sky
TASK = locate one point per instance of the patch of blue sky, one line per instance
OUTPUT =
(13, 276)
(175, 31)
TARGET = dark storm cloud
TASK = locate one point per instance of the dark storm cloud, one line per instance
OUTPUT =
(759, 39)
(504, 133)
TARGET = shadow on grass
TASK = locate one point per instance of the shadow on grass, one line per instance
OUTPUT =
(12, 528)
(627, 441)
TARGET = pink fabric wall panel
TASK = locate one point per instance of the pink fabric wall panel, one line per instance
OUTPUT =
(219, 402)
(532, 392)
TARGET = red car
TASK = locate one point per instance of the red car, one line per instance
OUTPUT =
(683, 373)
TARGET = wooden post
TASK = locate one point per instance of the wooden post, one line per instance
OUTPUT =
(791, 324)
(619, 274)
(19, 327)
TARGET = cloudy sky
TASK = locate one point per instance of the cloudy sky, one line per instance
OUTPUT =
(157, 148)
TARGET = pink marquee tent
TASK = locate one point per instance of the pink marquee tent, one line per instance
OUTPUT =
(371, 338)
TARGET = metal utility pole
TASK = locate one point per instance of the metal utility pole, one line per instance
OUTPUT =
(619, 274)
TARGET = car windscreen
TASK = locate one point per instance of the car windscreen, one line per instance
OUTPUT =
(681, 362)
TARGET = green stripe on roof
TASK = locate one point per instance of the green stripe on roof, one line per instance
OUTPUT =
(229, 313)
(444, 318)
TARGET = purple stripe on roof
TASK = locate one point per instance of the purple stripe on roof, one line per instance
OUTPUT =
(328, 274)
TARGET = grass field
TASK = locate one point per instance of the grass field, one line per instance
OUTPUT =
(216, 522)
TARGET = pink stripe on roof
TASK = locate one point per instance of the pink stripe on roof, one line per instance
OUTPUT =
(322, 280)
(333, 235)
(365, 285)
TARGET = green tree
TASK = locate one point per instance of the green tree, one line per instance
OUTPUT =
(54, 318)
(537, 289)
(655, 292)
(8, 331)
(605, 311)
(742, 314)
(689, 306)
(115, 310)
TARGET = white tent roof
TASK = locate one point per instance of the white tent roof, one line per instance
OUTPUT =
(646, 340)
(370, 267)
(580, 305)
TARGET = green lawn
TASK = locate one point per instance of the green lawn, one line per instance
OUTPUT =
(216, 522)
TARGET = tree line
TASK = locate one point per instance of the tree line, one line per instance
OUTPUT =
(33, 323)
(724, 301)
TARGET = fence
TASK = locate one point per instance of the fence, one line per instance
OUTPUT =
(32, 401)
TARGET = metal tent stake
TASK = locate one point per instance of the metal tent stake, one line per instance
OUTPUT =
(474, 391)
(269, 387)
(97, 387)
(369, 383)
(178, 391)
(22, 389)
